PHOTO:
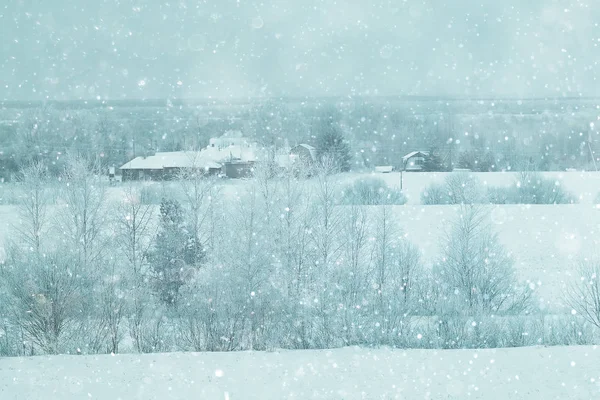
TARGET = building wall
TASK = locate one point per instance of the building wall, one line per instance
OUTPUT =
(142, 175)
(224, 142)
(238, 170)
(415, 163)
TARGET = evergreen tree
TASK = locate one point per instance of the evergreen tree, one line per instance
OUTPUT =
(331, 143)
(433, 162)
(175, 252)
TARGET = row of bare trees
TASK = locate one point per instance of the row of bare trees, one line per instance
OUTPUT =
(273, 262)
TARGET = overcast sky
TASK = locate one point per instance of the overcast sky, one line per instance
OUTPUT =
(236, 48)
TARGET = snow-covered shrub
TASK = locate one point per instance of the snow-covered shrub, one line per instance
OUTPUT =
(531, 188)
(534, 188)
(519, 331)
(372, 191)
(435, 193)
(457, 188)
(568, 330)
(46, 293)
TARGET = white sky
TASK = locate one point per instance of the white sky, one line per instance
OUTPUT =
(235, 48)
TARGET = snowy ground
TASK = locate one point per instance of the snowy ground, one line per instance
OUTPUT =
(350, 373)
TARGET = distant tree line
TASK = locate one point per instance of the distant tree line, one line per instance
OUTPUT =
(368, 133)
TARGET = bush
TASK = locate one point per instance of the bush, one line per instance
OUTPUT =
(531, 188)
(371, 192)
(435, 194)
(457, 188)
(534, 188)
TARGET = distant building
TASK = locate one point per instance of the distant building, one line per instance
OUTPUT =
(167, 165)
(305, 153)
(238, 169)
(414, 161)
(228, 139)
(230, 154)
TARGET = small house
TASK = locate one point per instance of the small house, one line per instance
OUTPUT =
(414, 161)
(305, 153)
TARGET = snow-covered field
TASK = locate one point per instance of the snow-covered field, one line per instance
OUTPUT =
(350, 373)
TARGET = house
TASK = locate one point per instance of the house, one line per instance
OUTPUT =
(305, 153)
(167, 165)
(142, 168)
(231, 148)
(414, 161)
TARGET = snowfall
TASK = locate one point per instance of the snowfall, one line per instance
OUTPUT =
(545, 241)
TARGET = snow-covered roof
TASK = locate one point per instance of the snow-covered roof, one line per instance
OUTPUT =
(414, 153)
(174, 159)
(307, 146)
(143, 163)
(210, 157)
(312, 151)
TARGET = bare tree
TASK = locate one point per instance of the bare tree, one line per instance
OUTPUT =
(325, 233)
(476, 270)
(33, 206)
(197, 189)
(327, 215)
(395, 267)
(267, 185)
(295, 200)
(352, 275)
(251, 263)
(114, 304)
(134, 228)
(83, 217)
(294, 274)
(583, 295)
